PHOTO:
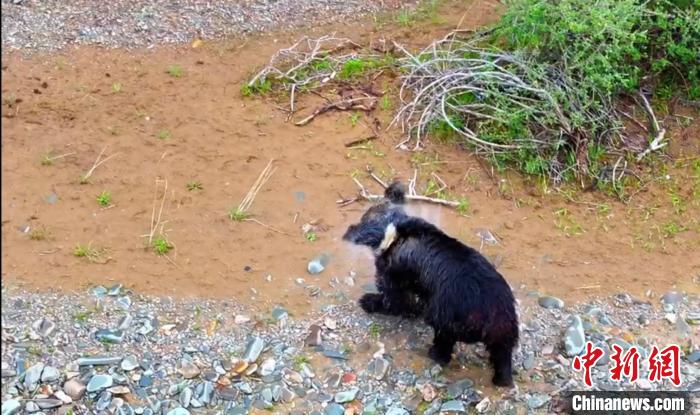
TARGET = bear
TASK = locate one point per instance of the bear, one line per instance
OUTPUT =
(421, 271)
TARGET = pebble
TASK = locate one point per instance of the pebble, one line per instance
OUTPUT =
(48, 403)
(178, 411)
(50, 374)
(395, 410)
(267, 367)
(31, 407)
(279, 313)
(334, 409)
(346, 396)
(44, 327)
(314, 338)
(428, 392)
(188, 370)
(672, 298)
(318, 264)
(551, 302)
(129, 363)
(99, 382)
(74, 388)
(574, 338)
(110, 336)
(98, 361)
(453, 406)
(32, 376)
(378, 368)
(537, 400)
(11, 407)
(63, 397)
(694, 357)
(253, 350)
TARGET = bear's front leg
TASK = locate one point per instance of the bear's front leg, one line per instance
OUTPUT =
(391, 300)
(443, 343)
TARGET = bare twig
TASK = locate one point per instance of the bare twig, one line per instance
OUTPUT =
(657, 143)
(343, 105)
(155, 219)
(98, 162)
(376, 178)
(364, 194)
(257, 185)
(264, 225)
(360, 140)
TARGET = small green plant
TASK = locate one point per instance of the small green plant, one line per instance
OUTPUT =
(671, 228)
(405, 18)
(311, 236)
(374, 330)
(300, 360)
(354, 118)
(238, 215)
(47, 159)
(194, 185)
(40, 233)
(385, 103)
(81, 317)
(88, 252)
(259, 87)
(116, 87)
(163, 135)
(104, 199)
(161, 245)
(463, 207)
(175, 71)
(565, 222)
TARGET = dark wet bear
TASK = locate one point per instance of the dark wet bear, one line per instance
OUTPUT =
(422, 271)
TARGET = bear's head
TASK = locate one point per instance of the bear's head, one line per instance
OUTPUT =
(374, 229)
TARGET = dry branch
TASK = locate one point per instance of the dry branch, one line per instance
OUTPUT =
(659, 133)
(257, 185)
(342, 105)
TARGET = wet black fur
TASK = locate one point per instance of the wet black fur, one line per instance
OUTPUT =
(426, 272)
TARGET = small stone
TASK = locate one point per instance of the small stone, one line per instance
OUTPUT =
(267, 367)
(186, 397)
(346, 396)
(484, 405)
(48, 403)
(314, 338)
(129, 363)
(188, 370)
(253, 350)
(574, 338)
(428, 392)
(671, 318)
(334, 354)
(672, 297)
(694, 357)
(241, 319)
(537, 400)
(318, 264)
(44, 327)
(99, 291)
(529, 360)
(239, 367)
(63, 397)
(334, 409)
(456, 389)
(395, 410)
(279, 313)
(125, 322)
(50, 374)
(110, 336)
(178, 411)
(74, 388)
(124, 302)
(286, 395)
(228, 394)
(98, 361)
(51, 198)
(99, 382)
(378, 368)
(643, 384)
(32, 376)
(31, 407)
(11, 407)
(370, 288)
(330, 323)
(348, 378)
(693, 318)
(114, 290)
(453, 406)
(119, 390)
(551, 302)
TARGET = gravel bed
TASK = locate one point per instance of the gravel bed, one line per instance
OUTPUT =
(113, 351)
(48, 25)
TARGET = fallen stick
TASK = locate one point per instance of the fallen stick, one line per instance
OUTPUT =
(98, 162)
(657, 143)
(344, 105)
(361, 140)
(265, 226)
(372, 197)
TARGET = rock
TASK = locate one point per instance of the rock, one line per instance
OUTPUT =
(693, 318)
(428, 392)
(314, 338)
(528, 360)
(537, 400)
(48, 403)
(186, 397)
(453, 406)
(672, 298)
(32, 376)
(119, 390)
(129, 363)
(125, 322)
(50, 374)
(551, 302)
(74, 389)
(395, 410)
(124, 302)
(334, 409)
(348, 378)
(241, 319)
(63, 397)
(484, 405)
(694, 357)
(378, 368)
(370, 288)
(114, 290)
(334, 354)
(671, 318)
(330, 323)
(574, 338)
(99, 291)
(178, 411)
(267, 367)
(99, 382)
(98, 361)
(279, 313)
(253, 350)
(110, 336)
(51, 198)
(286, 395)
(188, 370)
(11, 407)
(456, 389)
(44, 327)
(318, 264)
(228, 394)
(31, 407)
(346, 396)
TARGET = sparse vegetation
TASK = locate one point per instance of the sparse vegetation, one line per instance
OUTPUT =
(375, 330)
(176, 71)
(161, 245)
(116, 87)
(311, 236)
(89, 252)
(194, 185)
(238, 215)
(39, 233)
(163, 135)
(104, 199)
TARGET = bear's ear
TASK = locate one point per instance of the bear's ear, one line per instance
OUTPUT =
(395, 193)
(389, 237)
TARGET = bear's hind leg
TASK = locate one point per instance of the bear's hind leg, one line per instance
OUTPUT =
(501, 356)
